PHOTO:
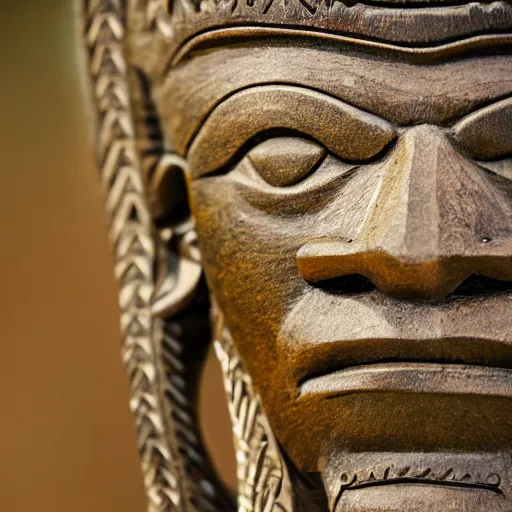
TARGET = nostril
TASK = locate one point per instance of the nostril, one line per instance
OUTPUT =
(481, 285)
(473, 286)
(350, 284)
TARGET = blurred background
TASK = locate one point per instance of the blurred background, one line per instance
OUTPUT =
(67, 440)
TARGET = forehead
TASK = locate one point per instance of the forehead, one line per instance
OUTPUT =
(402, 92)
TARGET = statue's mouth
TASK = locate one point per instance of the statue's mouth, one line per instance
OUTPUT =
(444, 366)
(408, 377)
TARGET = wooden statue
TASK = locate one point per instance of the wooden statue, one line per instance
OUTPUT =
(323, 188)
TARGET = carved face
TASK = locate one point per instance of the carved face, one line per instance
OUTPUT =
(354, 216)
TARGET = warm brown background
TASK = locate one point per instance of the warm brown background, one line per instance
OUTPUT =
(66, 437)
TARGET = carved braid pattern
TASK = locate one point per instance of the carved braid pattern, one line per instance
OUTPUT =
(157, 16)
(177, 473)
(260, 469)
(130, 233)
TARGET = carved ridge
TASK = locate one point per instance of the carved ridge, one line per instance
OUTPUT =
(427, 52)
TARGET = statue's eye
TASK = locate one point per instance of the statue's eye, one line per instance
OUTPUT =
(284, 161)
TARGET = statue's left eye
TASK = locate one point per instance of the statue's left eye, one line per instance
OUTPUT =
(284, 161)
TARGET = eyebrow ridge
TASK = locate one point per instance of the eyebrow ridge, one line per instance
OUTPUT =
(474, 115)
(492, 144)
(261, 85)
(329, 109)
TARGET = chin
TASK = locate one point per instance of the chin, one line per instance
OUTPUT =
(418, 481)
(422, 498)
(394, 423)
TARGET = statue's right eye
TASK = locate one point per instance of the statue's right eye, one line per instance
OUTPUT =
(284, 161)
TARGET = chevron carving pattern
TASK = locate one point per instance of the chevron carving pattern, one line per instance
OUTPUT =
(130, 233)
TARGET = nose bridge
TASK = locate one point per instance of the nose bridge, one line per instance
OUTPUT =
(434, 203)
(404, 217)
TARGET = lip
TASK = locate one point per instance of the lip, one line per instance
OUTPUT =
(436, 366)
(413, 378)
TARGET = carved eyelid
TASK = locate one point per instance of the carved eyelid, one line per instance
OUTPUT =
(350, 133)
(478, 135)
(285, 161)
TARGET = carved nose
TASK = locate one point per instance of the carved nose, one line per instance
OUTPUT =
(435, 220)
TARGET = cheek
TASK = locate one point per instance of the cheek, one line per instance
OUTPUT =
(249, 260)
